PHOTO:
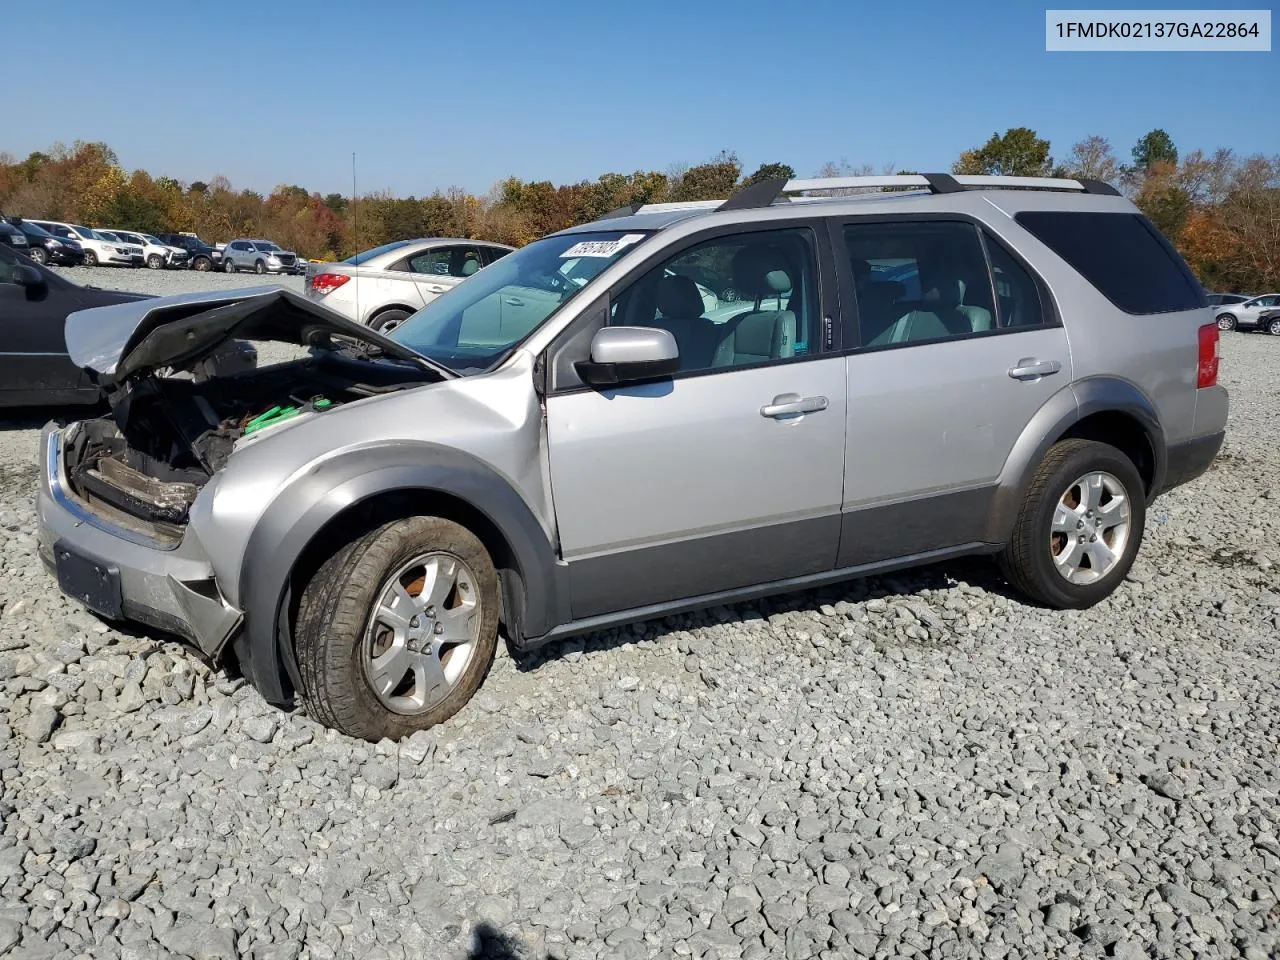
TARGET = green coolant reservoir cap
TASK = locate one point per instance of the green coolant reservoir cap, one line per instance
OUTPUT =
(322, 403)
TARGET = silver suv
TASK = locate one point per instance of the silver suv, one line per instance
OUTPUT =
(671, 407)
(260, 256)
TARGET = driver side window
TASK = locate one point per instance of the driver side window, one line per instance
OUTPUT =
(742, 300)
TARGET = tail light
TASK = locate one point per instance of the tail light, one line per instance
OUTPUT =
(1207, 369)
(323, 283)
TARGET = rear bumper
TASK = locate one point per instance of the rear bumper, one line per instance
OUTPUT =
(120, 573)
(1189, 459)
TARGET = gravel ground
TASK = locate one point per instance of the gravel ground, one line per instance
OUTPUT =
(915, 765)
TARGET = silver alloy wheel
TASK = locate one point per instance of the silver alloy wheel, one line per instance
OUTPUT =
(422, 633)
(1090, 527)
(1226, 322)
(1273, 327)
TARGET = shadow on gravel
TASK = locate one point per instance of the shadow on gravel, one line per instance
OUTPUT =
(492, 944)
(978, 572)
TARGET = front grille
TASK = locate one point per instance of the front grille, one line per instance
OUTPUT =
(286, 259)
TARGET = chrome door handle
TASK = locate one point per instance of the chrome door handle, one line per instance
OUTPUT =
(792, 405)
(514, 301)
(1029, 368)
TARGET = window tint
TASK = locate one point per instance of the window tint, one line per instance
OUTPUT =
(1017, 297)
(457, 262)
(744, 299)
(7, 263)
(1122, 255)
(918, 282)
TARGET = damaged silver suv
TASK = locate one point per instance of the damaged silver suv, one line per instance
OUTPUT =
(671, 407)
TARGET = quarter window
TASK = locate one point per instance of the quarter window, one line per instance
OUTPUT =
(921, 281)
(741, 300)
(459, 262)
(1017, 297)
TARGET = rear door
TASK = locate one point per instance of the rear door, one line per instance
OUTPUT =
(956, 345)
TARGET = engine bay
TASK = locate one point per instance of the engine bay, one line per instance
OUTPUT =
(166, 436)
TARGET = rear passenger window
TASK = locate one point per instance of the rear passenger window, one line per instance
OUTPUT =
(1017, 296)
(1122, 255)
(919, 282)
(745, 299)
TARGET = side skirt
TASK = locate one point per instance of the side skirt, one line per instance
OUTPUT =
(741, 594)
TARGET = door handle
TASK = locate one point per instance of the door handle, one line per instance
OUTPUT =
(1029, 368)
(514, 301)
(436, 288)
(792, 405)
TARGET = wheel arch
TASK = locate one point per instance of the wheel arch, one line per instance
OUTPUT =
(313, 516)
(1106, 409)
(384, 307)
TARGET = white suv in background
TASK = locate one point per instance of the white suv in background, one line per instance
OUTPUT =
(381, 287)
(98, 250)
(155, 254)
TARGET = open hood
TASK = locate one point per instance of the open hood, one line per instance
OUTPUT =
(116, 342)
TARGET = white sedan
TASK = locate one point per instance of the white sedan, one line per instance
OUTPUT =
(382, 286)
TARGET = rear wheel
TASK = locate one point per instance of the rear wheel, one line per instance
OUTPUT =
(203, 264)
(90, 258)
(1079, 528)
(388, 320)
(397, 631)
(1226, 322)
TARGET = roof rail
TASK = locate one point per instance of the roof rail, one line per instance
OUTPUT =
(768, 192)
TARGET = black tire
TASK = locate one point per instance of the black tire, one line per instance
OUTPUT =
(388, 320)
(38, 254)
(1027, 560)
(202, 264)
(259, 267)
(1273, 326)
(336, 605)
(228, 266)
(155, 262)
(1226, 322)
(90, 258)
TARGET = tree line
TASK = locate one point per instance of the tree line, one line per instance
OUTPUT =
(1220, 209)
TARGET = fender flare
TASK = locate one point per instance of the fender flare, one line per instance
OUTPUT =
(1057, 416)
(304, 507)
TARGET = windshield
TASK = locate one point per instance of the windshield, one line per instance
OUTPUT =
(367, 255)
(105, 235)
(265, 245)
(476, 324)
(31, 230)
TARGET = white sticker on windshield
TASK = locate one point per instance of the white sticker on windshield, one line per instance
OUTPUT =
(601, 248)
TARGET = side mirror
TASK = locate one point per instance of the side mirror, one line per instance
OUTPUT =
(28, 276)
(622, 355)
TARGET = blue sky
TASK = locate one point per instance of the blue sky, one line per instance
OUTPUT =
(431, 93)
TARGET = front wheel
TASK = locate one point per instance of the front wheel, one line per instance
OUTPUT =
(38, 255)
(1079, 527)
(202, 264)
(1226, 322)
(397, 630)
(1273, 326)
(259, 267)
(90, 258)
(155, 262)
(228, 266)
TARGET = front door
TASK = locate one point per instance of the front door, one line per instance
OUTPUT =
(34, 366)
(730, 473)
(955, 358)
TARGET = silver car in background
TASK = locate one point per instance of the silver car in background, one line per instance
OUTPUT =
(383, 286)
(260, 256)
(1246, 315)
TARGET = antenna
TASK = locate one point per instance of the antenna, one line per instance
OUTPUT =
(355, 228)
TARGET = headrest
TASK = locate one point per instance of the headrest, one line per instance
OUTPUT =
(760, 271)
(946, 294)
(470, 266)
(678, 296)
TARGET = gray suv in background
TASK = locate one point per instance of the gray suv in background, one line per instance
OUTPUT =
(259, 256)
(675, 406)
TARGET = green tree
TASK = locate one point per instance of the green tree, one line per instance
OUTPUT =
(1019, 152)
(1154, 148)
(709, 181)
(336, 202)
(768, 171)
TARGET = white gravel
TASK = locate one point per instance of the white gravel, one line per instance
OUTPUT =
(915, 765)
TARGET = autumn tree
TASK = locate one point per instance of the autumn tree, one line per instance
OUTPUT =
(1093, 159)
(1018, 152)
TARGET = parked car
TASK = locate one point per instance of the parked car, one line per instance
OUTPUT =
(203, 256)
(1226, 299)
(260, 256)
(44, 247)
(12, 236)
(137, 257)
(34, 303)
(156, 255)
(1246, 314)
(1269, 320)
(98, 251)
(559, 449)
(381, 287)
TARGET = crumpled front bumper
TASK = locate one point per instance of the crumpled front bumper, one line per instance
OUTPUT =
(123, 573)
